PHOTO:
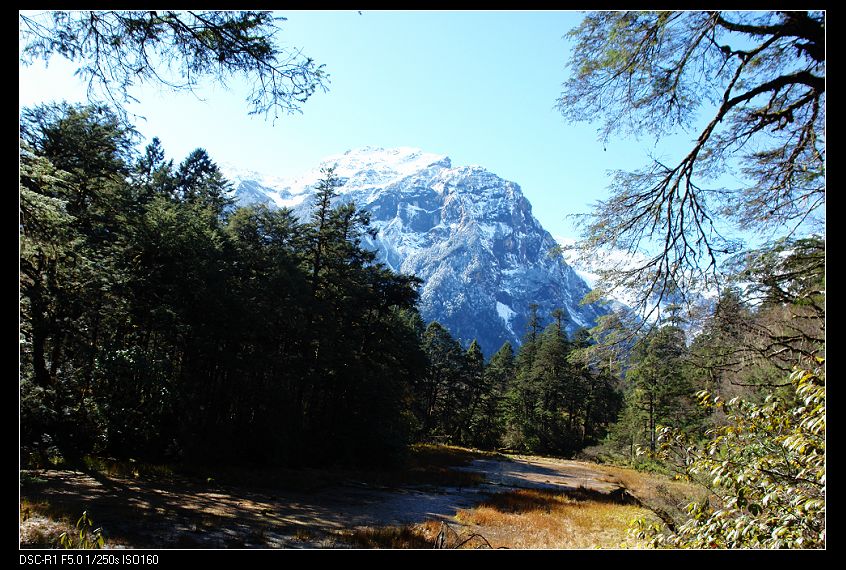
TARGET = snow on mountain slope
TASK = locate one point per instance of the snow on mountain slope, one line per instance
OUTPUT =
(467, 233)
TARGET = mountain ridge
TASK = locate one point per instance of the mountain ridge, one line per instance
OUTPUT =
(469, 234)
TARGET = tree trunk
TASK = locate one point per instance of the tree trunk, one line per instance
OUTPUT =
(39, 337)
(651, 425)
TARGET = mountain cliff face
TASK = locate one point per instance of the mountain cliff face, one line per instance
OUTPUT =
(467, 233)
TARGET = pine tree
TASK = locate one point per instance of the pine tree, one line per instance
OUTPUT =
(660, 391)
(320, 218)
(153, 174)
(552, 380)
(437, 391)
(471, 392)
(521, 395)
(488, 423)
(200, 182)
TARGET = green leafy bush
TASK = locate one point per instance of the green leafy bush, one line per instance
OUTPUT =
(764, 469)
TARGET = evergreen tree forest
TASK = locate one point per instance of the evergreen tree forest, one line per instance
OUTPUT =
(159, 321)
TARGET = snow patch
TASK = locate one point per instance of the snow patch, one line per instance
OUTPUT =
(488, 229)
(506, 314)
(504, 311)
(287, 202)
(371, 167)
(235, 174)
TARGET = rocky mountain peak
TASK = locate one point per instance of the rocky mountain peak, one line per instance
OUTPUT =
(469, 234)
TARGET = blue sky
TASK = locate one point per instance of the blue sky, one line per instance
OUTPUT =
(478, 86)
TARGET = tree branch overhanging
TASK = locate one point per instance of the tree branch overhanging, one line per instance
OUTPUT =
(116, 49)
(666, 208)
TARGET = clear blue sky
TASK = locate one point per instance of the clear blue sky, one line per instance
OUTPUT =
(478, 86)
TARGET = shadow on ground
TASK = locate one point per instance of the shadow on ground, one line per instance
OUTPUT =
(184, 513)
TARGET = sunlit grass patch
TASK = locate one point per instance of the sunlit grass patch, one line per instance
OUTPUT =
(545, 519)
(522, 519)
(44, 524)
(658, 492)
(41, 524)
(40, 531)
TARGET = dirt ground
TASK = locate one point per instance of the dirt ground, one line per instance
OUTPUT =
(192, 514)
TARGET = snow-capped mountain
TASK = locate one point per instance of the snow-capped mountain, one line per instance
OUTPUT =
(589, 269)
(467, 233)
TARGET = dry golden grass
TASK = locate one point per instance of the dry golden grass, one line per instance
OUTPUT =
(409, 536)
(42, 523)
(545, 519)
(30, 508)
(522, 519)
(127, 468)
(655, 491)
(39, 531)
